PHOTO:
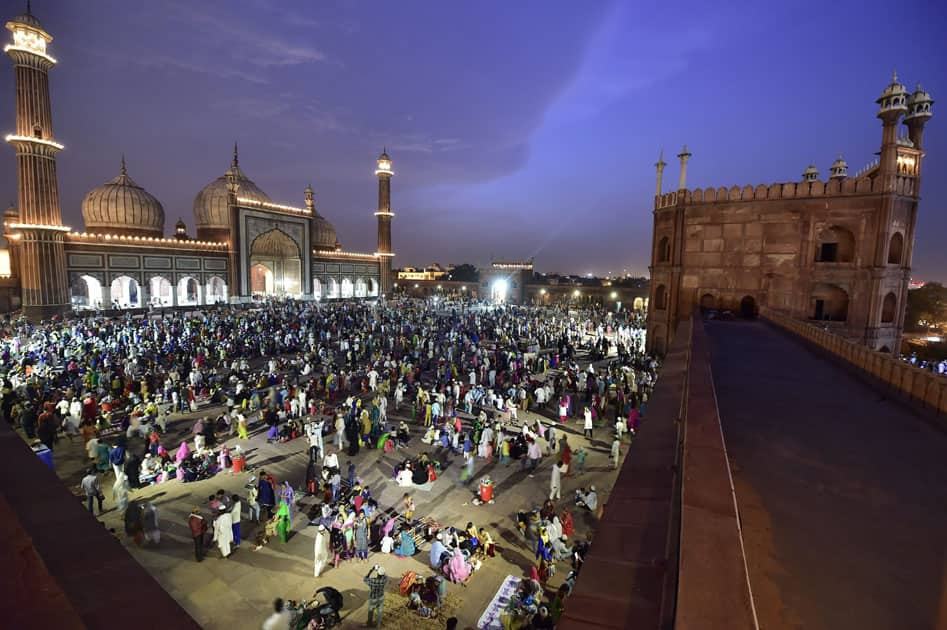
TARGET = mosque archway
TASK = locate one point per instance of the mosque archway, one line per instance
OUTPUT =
(316, 288)
(333, 288)
(86, 293)
(280, 254)
(348, 289)
(829, 302)
(361, 289)
(188, 291)
(125, 293)
(372, 287)
(161, 292)
(216, 292)
(889, 308)
(261, 279)
(638, 304)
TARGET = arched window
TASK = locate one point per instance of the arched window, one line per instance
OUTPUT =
(889, 308)
(895, 248)
(660, 297)
(835, 245)
(664, 250)
(829, 303)
(708, 302)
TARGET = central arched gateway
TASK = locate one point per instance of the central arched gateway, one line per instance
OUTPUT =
(275, 264)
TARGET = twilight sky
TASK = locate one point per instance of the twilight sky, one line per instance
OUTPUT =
(517, 129)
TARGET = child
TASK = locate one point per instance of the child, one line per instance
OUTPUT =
(408, 507)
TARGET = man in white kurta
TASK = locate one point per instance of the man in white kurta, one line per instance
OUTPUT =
(223, 531)
(321, 550)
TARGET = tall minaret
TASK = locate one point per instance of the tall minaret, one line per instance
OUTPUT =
(384, 214)
(40, 231)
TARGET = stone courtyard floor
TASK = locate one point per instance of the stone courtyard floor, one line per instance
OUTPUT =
(238, 592)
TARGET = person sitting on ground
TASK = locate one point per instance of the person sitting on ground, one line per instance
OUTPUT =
(587, 499)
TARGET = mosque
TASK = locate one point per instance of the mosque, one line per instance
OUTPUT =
(246, 246)
(837, 253)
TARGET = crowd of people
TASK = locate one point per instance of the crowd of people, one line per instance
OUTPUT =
(459, 377)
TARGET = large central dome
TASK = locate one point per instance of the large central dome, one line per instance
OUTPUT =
(210, 205)
(121, 206)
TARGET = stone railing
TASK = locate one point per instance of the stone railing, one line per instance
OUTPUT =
(926, 388)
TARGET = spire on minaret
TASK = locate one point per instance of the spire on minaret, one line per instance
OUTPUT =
(236, 160)
(683, 156)
(28, 12)
(660, 164)
(123, 165)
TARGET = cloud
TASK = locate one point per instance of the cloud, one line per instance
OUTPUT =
(164, 61)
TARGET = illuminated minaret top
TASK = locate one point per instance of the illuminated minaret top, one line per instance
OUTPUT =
(40, 229)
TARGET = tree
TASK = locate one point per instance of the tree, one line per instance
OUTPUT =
(464, 273)
(926, 307)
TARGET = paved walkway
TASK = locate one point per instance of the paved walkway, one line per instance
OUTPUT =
(841, 490)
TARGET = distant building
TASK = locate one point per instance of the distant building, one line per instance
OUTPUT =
(836, 251)
(246, 244)
(434, 272)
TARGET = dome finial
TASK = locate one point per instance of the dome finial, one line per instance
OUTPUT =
(28, 12)
(236, 160)
(123, 165)
(894, 76)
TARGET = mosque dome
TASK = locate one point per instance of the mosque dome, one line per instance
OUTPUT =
(323, 232)
(210, 204)
(121, 206)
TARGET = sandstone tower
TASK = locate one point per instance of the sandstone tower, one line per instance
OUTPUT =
(384, 214)
(39, 231)
(836, 252)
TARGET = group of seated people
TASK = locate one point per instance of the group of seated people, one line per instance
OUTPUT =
(417, 471)
(458, 552)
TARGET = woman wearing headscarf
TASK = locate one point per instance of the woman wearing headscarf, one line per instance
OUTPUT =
(457, 569)
(406, 547)
(320, 550)
(361, 536)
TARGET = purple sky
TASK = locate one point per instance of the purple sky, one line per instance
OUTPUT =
(516, 129)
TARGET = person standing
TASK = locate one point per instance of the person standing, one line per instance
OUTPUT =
(616, 450)
(198, 527)
(320, 550)
(252, 504)
(376, 580)
(223, 531)
(266, 494)
(555, 482)
(533, 453)
(588, 423)
(149, 522)
(236, 511)
(90, 485)
(120, 492)
(117, 458)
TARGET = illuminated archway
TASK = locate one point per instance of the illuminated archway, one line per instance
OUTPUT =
(348, 289)
(372, 287)
(125, 293)
(280, 254)
(261, 279)
(86, 293)
(216, 291)
(361, 289)
(316, 288)
(161, 293)
(333, 288)
(188, 291)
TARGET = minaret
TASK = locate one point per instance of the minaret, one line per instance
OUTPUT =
(839, 168)
(660, 164)
(683, 156)
(919, 112)
(384, 214)
(42, 257)
(892, 104)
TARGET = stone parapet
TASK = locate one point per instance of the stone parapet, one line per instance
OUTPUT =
(923, 387)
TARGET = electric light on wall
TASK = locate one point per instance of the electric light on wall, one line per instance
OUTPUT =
(384, 167)
(384, 214)
(39, 226)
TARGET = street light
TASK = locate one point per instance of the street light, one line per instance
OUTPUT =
(576, 293)
(463, 288)
(614, 294)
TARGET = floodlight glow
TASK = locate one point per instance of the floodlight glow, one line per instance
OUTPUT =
(500, 288)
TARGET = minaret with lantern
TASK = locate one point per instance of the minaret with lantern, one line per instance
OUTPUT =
(39, 231)
(384, 216)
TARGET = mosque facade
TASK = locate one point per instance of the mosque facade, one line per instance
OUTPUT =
(837, 253)
(246, 245)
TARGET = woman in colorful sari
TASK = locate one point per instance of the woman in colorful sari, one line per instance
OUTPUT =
(457, 569)
(283, 521)
(406, 547)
